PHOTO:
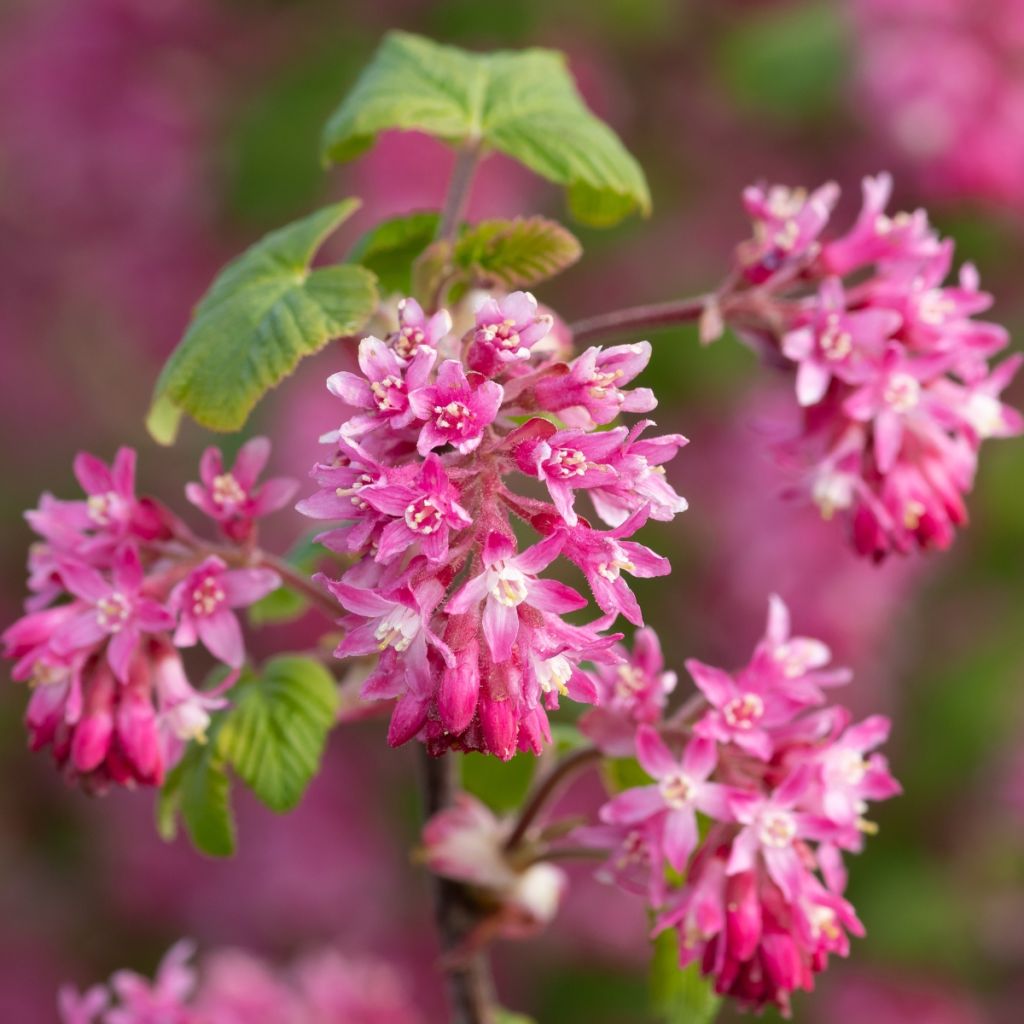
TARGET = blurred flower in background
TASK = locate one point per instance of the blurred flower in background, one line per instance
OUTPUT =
(141, 143)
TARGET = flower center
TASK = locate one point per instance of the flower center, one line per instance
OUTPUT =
(423, 516)
(849, 767)
(835, 342)
(902, 392)
(508, 586)
(744, 712)
(397, 629)
(207, 597)
(554, 674)
(630, 683)
(934, 308)
(567, 462)
(227, 491)
(389, 393)
(408, 341)
(113, 611)
(777, 829)
(602, 384)
(677, 790)
(985, 414)
(455, 417)
(825, 922)
(361, 481)
(101, 507)
(503, 335)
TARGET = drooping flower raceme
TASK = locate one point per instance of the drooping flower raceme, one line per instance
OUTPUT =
(469, 629)
(893, 377)
(118, 585)
(782, 783)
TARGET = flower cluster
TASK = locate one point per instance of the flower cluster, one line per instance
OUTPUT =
(470, 635)
(119, 585)
(236, 988)
(781, 784)
(893, 375)
(943, 82)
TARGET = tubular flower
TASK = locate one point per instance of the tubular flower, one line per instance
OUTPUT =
(783, 786)
(893, 378)
(118, 585)
(467, 627)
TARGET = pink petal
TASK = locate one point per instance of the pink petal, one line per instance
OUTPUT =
(680, 837)
(249, 463)
(655, 758)
(222, 636)
(633, 805)
(501, 627)
(243, 587)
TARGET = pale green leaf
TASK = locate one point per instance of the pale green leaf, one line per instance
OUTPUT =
(391, 248)
(502, 785)
(679, 995)
(515, 253)
(523, 103)
(264, 312)
(198, 790)
(275, 733)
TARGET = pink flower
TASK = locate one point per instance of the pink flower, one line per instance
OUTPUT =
(232, 498)
(416, 332)
(456, 409)
(590, 392)
(203, 602)
(631, 692)
(681, 789)
(507, 583)
(836, 343)
(426, 511)
(567, 460)
(506, 329)
(116, 611)
(384, 388)
(162, 1001)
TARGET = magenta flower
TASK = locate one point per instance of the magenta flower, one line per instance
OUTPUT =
(681, 789)
(77, 1007)
(232, 498)
(631, 692)
(787, 223)
(507, 583)
(416, 332)
(837, 343)
(116, 611)
(603, 556)
(203, 602)
(506, 330)
(590, 393)
(383, 389)
(162, 1001)
(567, 460)
(456, 409)
(426, 510)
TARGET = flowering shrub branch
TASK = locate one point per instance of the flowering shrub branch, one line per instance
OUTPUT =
(480, 457)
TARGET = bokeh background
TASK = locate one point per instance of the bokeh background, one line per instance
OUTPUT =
(143, 142)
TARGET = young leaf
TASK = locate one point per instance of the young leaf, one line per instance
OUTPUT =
(274, 735)
(679, 995)
(198, 790)
(502, 785)
(264, 312)
(515, 253)
(390, 249)
(523, 103)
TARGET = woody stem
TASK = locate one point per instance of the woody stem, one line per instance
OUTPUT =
(655, 314)
(470, 989)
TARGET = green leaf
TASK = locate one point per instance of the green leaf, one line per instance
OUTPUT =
(509, 1017)
(523, 103)
(502, 785)
(274, 736)
(679, 995)
(516, 253)
(264, 312)
(621, 773)
(198, 790)
(391, 248)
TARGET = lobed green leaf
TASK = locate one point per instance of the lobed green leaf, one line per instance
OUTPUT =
(264, 312)
(679, 995)
(515, 253)
(391, 248)
(523, 103)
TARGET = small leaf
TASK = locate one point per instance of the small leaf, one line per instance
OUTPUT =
(204, 800)
(516, 253)
(391, 248)
(275, 734)
(264, 312)
(679, 995)
(523, 103)
(509, 1017)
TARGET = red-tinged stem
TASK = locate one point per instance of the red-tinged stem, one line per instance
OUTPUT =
(459, 187)
(549, 786)
(655, 314)
(470, 990)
